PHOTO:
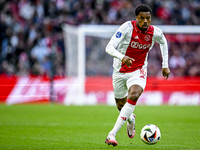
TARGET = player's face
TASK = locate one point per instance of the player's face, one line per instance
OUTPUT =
(143, 20)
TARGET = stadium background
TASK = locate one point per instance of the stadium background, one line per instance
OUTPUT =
(31, 38)
(32, 51)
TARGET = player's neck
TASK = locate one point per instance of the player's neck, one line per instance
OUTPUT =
(139, 29)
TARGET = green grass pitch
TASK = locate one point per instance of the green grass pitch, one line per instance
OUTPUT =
(54, 127)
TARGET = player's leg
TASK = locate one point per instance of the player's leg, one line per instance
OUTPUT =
(135, 85)
(120, 89)
(134, 93)
(120, 94)
(131, 120)
(120, 102)
(124, 115)
(110, 140)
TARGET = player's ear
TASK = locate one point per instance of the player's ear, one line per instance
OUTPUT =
(136, 17)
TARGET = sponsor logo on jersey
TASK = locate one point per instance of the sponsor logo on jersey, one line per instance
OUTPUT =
(139, 46)
(118, 35)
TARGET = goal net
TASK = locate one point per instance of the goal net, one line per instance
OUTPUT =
(85, 51)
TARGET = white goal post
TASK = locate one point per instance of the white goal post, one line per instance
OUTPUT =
(74, 39)
(75, 46)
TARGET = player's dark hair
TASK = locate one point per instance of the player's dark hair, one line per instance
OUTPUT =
(142, 8)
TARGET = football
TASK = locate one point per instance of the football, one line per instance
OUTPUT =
(150, 134)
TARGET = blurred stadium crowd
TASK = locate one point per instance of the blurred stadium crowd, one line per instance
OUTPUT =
(31, 38)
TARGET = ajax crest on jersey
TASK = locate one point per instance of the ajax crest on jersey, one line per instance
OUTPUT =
(150, 134)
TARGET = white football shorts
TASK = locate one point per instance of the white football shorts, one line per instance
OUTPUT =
(123, 81)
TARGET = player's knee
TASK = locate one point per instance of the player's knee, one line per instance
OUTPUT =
(134, 92)
(134, 96)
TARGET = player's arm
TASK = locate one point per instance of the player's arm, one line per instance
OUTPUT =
(160, 38)
(114, 42)
(116, 39)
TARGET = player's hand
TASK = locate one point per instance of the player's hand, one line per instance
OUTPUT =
(127, 60)
(165, 72)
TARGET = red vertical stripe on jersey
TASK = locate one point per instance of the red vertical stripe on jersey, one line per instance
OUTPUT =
(138, 48)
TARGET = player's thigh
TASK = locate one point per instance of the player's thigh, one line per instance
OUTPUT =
(119, 86)
(135, 88)
(137, 78)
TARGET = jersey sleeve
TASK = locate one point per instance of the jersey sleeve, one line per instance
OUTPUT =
(116, 39)
(160, 38)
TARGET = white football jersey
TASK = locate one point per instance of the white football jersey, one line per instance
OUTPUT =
(130, 41)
